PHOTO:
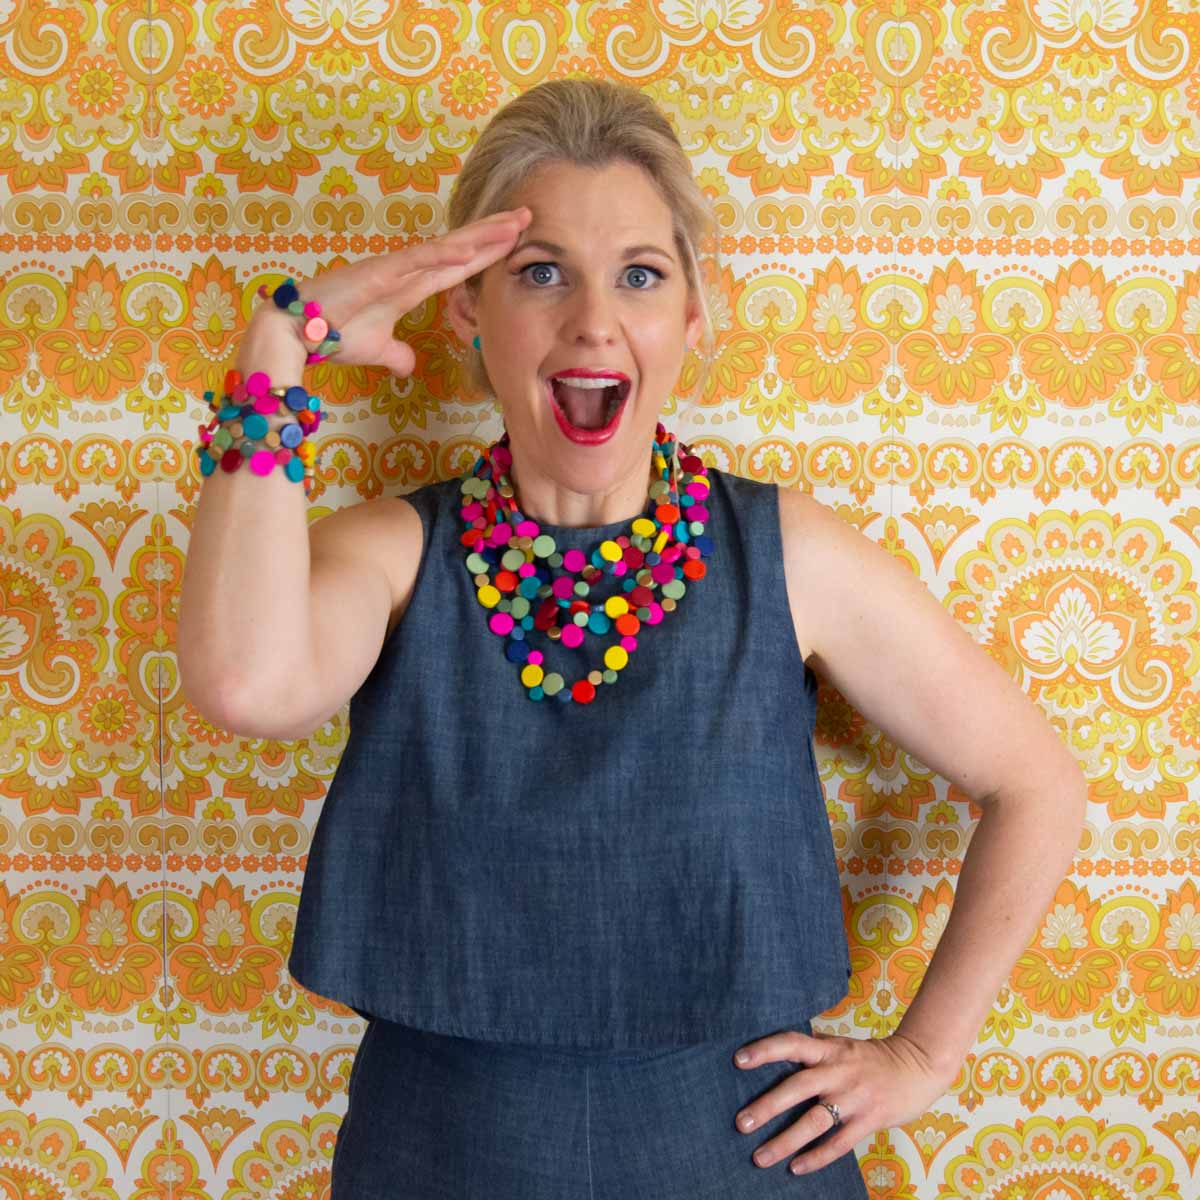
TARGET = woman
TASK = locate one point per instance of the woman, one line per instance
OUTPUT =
(561, 919)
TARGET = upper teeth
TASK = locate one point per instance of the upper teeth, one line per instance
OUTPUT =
(583, 381)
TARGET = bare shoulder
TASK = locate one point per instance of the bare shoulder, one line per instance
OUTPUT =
(383, 534)
(802, 521)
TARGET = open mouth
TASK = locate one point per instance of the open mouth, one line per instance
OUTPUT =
(587, 404)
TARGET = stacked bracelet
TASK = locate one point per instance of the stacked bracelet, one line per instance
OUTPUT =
(316, 328)
(253, 424)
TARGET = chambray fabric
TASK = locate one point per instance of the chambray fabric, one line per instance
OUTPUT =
(652, 869)
(436, 1117)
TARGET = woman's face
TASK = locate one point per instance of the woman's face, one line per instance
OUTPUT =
(594, 283)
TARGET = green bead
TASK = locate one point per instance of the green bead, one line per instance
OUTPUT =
(660, 488)
(643, 613)
(609, 675)
(695, 527)
(520, 607)
(582, 587)
(555, 560)
(511, 559)
(477, 564)
(552, 684)
(297, 307)
(674, 588)
(580, 618)
(544, 546)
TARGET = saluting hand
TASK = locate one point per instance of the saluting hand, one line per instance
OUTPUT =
(363, 300)
(877, 1083)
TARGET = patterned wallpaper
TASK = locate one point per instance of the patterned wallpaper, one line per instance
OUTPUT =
(960, 303)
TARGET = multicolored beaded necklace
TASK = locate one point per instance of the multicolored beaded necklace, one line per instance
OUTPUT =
(662, 550)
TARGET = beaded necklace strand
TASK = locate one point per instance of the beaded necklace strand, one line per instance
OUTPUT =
(662, 550)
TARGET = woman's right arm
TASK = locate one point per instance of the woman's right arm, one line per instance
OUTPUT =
(281, 621)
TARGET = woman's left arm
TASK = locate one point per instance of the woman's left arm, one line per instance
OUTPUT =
(881, 638)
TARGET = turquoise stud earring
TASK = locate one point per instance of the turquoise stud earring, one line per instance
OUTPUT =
(475, 342)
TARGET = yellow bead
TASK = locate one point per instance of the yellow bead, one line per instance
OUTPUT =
(306, 452)
(643, 527)
(616, 606)
(700, 479)
(615, 657)
(531, 675)
(489, 596)
(661, 540)
(610, 551)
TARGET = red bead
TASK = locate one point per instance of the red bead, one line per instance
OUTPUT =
(583, 692)
(231, 459)
(694, 568)
(506, 581)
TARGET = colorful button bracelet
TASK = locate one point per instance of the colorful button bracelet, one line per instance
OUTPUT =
(316, 328)
(252, 411)
(662, 550)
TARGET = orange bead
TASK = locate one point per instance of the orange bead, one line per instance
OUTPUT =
(667, 514)
(627, 624)
(506, 581)
(694, 568)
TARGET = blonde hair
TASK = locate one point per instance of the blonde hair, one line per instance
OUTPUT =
(588, 123)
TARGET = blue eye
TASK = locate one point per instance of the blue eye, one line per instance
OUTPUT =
(640, 283)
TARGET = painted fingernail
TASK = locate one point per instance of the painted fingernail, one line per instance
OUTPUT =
(746, 1121)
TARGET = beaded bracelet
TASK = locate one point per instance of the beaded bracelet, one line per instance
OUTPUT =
(316, 328)
(251, 411)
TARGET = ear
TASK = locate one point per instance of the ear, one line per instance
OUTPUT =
(460, 307)
(695, 323)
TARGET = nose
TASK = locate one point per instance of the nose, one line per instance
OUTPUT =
(591, 319)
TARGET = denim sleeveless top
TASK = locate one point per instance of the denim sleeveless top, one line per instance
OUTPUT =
(653, 868)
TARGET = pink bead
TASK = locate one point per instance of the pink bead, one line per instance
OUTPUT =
(239, 392)
(283, 456)
(574, 560)
(501, 533)
(662, 572)
(472, 510)
(258, 383)
(527, 529)
(696, 513)
(563, 587)
(262, 462)
(501, 623)
(629, 643)
(312, 308)
(526, 569)
(656, 613)
(315, 328)
(501, 459)
(696, 489)
(266, 404)
(619, 568)
(535, 657)
(572, 635)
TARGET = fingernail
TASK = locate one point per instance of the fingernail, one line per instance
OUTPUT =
(742, 1056)
(747, 1122)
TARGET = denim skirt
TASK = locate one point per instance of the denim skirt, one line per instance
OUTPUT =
(437, 1117)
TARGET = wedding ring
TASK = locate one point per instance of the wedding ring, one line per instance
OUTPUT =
(833, 1112)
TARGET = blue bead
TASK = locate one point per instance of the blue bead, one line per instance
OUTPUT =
(527, 622)
(704, 544)
(291, 435)
(255, 426)
(652, 559)
(296, 397)
(294, 470)
(516, 651)
(528, 587)
(230, 412)
(598, 622)
(207, 465)
(284, 294)
(686, 501)
(681, 532)
(517, 632)
(536, 693)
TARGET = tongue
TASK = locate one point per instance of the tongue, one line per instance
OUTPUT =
(585, 407)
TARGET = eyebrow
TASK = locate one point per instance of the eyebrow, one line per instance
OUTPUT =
(554, 248)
